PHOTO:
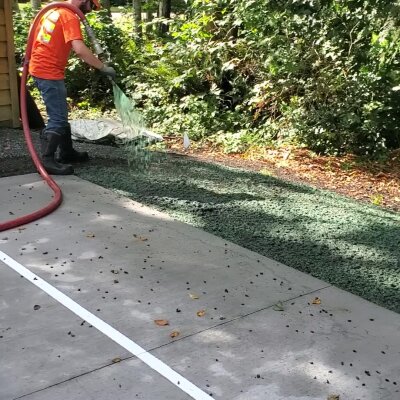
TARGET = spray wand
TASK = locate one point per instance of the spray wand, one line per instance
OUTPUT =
(96, 47)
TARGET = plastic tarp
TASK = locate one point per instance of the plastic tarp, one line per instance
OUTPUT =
(107, 131)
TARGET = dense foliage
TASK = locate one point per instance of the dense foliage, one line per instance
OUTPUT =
(324, 74)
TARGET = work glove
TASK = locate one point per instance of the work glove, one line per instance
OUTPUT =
(108, 71)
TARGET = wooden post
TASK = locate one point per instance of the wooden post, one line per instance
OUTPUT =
(9, 66)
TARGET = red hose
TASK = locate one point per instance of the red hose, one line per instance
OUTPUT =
(57, 199)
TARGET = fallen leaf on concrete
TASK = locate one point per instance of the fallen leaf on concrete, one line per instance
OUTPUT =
(201, 313)
(317, 300)
(161, 322)
(333, 397)
(36, 307)
(278, 306)
(90, 235)
(116, 360)
(193, 296)
(174, 334)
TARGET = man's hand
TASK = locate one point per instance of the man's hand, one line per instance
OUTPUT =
(108, 71)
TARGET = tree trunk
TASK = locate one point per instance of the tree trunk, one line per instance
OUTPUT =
(36, 5)
(149, 18)
(164, 11)
(15, 6)
(137, 16)
(107, 5)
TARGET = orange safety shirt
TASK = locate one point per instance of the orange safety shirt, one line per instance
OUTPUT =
(52, 43)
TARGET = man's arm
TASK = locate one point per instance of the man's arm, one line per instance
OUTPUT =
(85, 54)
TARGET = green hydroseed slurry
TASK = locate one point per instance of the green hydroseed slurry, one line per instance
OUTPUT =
(137, 149)
(351, 245)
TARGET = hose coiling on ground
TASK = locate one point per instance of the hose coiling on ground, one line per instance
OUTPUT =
(57, 199)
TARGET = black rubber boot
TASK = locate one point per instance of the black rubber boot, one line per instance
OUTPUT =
(67, 153)
(50, 140)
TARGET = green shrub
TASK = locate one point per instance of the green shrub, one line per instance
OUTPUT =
(324, 74)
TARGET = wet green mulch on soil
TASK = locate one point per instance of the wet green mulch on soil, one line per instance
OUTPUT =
(348, 244)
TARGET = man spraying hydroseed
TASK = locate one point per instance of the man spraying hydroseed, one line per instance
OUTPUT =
(58, 32)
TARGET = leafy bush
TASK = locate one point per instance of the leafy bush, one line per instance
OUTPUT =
(315, 73)
(324, 74)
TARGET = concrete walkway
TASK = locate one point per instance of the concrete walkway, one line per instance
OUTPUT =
(246, 326)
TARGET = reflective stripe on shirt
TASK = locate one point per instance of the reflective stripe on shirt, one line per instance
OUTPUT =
(48, 24)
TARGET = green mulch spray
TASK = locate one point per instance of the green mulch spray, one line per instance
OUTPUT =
(139, 138)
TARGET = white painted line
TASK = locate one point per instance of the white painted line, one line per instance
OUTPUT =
(153, 362)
